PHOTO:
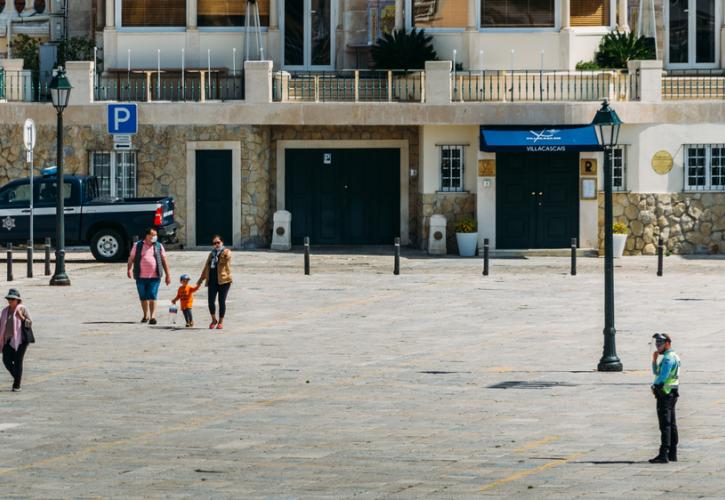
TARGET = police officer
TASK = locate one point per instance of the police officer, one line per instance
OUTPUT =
(666, 390)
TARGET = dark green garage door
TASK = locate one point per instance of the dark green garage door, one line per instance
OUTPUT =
(537, 200)
(343, 196)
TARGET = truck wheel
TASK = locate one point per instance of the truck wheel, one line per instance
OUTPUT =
(107, 245)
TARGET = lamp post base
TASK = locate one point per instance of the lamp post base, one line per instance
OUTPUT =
(60, 280)
(609, 365)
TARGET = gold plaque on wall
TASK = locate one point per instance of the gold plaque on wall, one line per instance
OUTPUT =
(487, 168)
(662, 162)
(587, 166)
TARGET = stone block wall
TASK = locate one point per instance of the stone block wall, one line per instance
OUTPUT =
(353, 133)
(161, 160)
(454, 206)
(689, 223)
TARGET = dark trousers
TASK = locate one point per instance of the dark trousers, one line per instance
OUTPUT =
(216, 289)
(13, 361)
(187, 315)
(668, 421)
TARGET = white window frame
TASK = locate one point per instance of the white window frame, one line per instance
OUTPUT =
(691, 41)
(708, 186)
(462, 178)
(114, 188)
(622, 151)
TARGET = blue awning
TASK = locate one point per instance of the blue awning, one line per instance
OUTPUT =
(538, 139)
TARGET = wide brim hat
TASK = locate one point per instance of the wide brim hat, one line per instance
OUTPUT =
(13, 294)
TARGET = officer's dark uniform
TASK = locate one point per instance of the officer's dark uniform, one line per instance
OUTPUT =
(666, 390)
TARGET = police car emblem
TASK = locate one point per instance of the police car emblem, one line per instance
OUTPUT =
(9, 223)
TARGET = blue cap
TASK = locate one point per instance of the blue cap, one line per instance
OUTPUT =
(185, 277)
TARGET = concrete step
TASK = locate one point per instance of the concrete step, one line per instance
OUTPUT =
(543, 252)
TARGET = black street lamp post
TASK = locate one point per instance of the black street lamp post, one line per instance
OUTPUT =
(60, 89)
(607, 123)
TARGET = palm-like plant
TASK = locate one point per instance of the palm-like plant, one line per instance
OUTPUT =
(403, 50)
(616, 49)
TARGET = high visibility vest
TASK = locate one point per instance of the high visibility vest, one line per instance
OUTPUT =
(673, 378)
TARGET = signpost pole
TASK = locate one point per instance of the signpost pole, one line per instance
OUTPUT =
(29, 134)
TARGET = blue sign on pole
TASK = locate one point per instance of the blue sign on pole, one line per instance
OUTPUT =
(122, 119)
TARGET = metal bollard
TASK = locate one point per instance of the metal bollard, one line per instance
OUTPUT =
(573, 256)
(47, 256)
(660, 256)
(396, 267)
(485, 257)
(10, 261)
(30, 259)
(307, 255)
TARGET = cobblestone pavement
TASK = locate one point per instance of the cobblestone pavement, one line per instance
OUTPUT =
(353, 382)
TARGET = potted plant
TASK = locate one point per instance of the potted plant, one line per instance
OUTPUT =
(467, 236)
(619, 231)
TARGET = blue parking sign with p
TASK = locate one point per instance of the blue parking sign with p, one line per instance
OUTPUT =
(122, 119)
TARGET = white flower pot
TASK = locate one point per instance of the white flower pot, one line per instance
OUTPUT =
(620, 241)
(467, 244)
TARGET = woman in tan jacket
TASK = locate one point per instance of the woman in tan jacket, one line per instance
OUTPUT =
(218, 276)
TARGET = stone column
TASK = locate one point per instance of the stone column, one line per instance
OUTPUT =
(399, 15)
(80, 76)
(565, 14)
(273, 21)
(191, 14)
(110, 14)
(438, 82)
(258, 81)
(622, 21)
(650, 79)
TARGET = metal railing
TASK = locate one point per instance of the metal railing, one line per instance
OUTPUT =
(544, 85)
(350, 86)
(693, 84)
(24, 86)
(136, 88)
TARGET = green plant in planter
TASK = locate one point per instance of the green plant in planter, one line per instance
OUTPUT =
(466, 225)
(403, 50)
(619, 228)
(616, 49)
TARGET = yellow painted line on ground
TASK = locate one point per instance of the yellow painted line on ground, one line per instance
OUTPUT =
(525, 473)
(500, 369)
(42, 378)
(536, 444)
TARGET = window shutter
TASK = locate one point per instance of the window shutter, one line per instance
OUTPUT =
(590, 12)
(440, 13)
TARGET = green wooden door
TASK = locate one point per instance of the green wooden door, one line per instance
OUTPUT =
(343, 196)
(214, 206)
(537, 200)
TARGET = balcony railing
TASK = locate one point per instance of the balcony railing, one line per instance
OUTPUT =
(24, 86)
(350, 86)
(693, 84)
(136, 88)
(542, 85)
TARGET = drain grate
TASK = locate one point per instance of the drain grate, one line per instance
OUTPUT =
(523, 384)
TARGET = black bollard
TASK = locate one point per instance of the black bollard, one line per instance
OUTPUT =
(307, 255)
(660, 256)
(30, 259)
(47, 256)
(573, 256)
(10, 261)
(396, 267)
(485, 257)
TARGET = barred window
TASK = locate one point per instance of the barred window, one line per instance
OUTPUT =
(116, 173)
(619, 169)
(704, 167)
(452, 168)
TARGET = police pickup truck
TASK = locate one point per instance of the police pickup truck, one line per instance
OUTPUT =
(107, 224)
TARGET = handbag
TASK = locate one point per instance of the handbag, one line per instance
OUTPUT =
(26, 331)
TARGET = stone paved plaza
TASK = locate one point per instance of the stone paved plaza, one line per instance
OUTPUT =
(354, 383)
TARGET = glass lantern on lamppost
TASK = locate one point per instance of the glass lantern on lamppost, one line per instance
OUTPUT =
(60, 89)
(607, 124)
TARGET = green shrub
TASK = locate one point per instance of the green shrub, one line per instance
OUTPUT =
(616, 49)
(587, 66)
(401, 50)
(466, 225)
(619, 228)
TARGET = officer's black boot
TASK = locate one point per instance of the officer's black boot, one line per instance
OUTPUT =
(661, 458)
(672, 455)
